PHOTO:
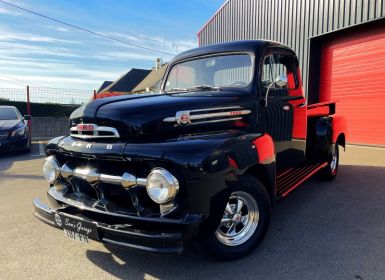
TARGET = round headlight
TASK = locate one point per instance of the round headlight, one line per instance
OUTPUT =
(51, 169)
(161, 186)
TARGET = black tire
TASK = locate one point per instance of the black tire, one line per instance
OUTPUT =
(329, 172)
(249, 187)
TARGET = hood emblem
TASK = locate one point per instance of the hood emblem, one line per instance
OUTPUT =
(208, 115)
(85, 127)
(89, 131)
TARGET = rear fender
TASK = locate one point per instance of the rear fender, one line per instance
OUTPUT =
(339, 129)
(328, 131)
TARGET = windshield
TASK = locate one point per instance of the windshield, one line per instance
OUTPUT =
(211, 73)
(8, 114)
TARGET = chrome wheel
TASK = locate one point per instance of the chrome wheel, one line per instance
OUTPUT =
(334, 160)
(239, 220)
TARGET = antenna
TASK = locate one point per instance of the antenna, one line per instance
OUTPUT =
(164, 43)
(176, 47)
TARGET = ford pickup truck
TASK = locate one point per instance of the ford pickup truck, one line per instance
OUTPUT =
(205, 159)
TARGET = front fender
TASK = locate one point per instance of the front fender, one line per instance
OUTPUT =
(250, 154)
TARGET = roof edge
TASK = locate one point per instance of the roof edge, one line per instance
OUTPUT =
(212, 17)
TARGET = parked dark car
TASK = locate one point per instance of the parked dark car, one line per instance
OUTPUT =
(206, 159)
(14, 130)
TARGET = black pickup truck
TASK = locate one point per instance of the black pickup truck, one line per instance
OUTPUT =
(205, 159)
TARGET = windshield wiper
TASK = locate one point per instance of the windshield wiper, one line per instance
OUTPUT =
(196, 88)
(203, 87)
(176, 90)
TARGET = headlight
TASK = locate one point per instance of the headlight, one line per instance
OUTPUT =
(51, 169)
(161, 186)
(18, 132)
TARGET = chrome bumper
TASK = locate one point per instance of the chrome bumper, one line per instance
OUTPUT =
(121, 235)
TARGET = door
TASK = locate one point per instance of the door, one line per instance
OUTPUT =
(352, 73)
(283, 107)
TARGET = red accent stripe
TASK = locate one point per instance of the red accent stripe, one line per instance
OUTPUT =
(284, 172)
(304, 179)
(321, 104)
(318, 111)
(232, 162)
(265, 148)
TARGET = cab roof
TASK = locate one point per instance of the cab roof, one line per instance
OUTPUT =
(254, 46)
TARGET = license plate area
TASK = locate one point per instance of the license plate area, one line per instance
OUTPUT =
(78, 229)
(76, 236)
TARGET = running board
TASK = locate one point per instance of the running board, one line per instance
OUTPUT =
(291, 178)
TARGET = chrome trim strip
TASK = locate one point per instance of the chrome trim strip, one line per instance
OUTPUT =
(192, 117)
(96, 131)
(217, 108)
(127, 180)
(220, 114)
(218, 120)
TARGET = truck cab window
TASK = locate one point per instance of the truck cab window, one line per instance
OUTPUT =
(278, 65)
(230, 70)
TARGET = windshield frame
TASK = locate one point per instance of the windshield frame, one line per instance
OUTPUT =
(18, 116)
(228, 53)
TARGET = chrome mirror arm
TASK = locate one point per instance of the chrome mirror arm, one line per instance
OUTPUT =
(267, 92)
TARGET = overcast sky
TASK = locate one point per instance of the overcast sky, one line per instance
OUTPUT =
(42, 52)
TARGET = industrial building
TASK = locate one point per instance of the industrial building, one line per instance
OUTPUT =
(340, 45)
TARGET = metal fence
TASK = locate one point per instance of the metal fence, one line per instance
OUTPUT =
(46, 95)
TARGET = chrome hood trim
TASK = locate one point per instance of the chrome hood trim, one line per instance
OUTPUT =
(208, 115)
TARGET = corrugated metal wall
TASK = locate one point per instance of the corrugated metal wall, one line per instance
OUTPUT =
(291, 22)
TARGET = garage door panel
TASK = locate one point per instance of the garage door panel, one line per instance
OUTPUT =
(353, 73)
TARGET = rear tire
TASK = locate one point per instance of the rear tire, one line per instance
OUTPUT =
(244, 223)
(330, 171)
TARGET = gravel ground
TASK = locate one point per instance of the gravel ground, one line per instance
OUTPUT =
(321, 231)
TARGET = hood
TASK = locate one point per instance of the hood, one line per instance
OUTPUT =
(149, 115)
(6, 125)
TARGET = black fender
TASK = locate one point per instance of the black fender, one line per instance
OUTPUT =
(253, 156)
(323, 136)
(326, 132)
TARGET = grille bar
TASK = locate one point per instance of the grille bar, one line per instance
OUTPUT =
(91, 175)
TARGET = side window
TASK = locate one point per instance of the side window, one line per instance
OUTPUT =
(274, 66)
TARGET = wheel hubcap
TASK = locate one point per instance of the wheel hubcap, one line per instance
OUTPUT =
(333, 163)
(239, 220)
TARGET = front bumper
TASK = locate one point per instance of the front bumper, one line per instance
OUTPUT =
(13, 144)
(152, 237)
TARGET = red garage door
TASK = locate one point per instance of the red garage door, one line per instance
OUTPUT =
(353, 73)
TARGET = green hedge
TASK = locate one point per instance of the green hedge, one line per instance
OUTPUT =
(42, 109)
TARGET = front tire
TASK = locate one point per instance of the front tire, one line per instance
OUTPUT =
(244, 222)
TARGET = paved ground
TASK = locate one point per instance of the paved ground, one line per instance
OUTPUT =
(321, 231)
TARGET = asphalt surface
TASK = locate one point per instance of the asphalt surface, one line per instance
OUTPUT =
(320, 231)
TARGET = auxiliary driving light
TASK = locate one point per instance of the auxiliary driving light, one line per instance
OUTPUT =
(161, 185)
(51, 169)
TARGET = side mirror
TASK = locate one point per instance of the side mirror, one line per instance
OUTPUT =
(27, 117)
(280, 81)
